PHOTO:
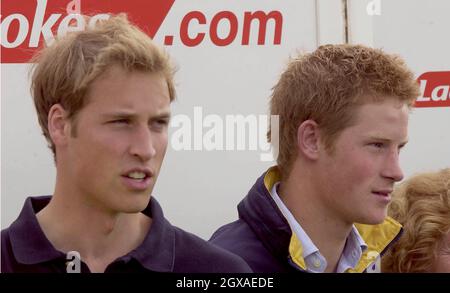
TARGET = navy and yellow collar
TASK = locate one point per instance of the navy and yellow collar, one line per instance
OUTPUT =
(377, 237)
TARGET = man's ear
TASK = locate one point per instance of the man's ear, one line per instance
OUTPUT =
(58, 124)
(308, 139)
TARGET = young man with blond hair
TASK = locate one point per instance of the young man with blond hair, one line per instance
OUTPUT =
(103, 101)
(343, 112)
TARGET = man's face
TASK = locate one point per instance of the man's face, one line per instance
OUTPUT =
(361, 170)
(121, 138)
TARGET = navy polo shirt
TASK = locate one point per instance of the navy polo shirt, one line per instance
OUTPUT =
(166, 248)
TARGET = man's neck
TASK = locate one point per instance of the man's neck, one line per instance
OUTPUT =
(98, 236)
(327, 231)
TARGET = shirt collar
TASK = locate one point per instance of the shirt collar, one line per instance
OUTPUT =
(157, 251)
(353, 249)
(28, 241)
(307, 244)
(31, 246)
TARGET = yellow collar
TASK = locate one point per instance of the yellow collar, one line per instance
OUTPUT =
(377, 237)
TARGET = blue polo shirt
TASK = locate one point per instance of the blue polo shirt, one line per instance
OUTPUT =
(166, 248)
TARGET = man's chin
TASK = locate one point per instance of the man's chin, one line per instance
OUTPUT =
(373, 221)
(137, 205)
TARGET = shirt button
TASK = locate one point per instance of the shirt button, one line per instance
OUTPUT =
(316, 262)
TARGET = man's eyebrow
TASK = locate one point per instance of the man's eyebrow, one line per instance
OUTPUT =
(163, 115)
(115, 115)
(118, 115)
(378, 138)
(403, 143)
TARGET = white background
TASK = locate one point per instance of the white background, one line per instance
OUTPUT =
(199, 190)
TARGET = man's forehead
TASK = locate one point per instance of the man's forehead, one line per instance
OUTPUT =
(129, 91)
(115, 72)
(388, 109)
(380, 119)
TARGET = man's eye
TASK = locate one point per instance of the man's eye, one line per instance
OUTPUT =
(160, 124)
(120, 121)
(163, 122)
(378, 145)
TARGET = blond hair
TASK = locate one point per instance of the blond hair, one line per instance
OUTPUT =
(64, 71)
(327, 84)
(422, 205)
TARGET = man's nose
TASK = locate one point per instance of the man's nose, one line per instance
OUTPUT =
(141, 145)
(392, 167)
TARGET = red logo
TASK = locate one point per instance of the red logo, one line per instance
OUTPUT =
(26, 24)
(435, 89)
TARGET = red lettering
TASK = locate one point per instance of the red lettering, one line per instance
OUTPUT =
(184, 29)
(435, 89)
(220, 36)
(263, 18)
(27, 24)
(233, 28)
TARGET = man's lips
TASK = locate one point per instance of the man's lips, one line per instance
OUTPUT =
(139, 179)
(384, 192)
(138, 173)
